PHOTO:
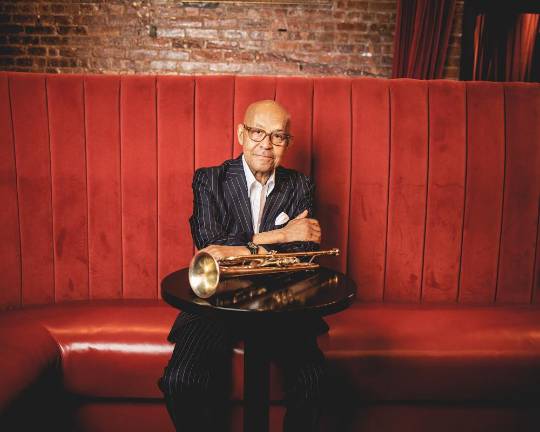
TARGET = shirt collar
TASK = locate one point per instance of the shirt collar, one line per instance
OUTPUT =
(251, 180)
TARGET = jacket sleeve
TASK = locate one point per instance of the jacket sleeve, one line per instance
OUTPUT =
(205, 226)
(304, 200)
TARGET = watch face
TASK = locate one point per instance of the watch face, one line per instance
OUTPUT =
(253, 248)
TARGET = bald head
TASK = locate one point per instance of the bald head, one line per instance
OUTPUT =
(265, 108)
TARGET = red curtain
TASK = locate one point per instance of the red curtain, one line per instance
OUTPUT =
(421, 38)
(504, 47)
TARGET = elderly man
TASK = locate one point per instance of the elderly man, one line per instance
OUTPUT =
(245, 206)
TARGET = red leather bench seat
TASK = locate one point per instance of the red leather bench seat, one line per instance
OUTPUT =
(437, 353)
(110, 348)
(387, 352)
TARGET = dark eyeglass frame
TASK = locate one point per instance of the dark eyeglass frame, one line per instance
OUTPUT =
(269, 134)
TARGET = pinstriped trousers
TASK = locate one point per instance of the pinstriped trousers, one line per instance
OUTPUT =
(197, 380)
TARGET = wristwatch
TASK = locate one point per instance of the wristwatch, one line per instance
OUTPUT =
(253, 248)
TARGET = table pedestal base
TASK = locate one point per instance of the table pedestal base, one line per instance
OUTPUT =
(256, 384)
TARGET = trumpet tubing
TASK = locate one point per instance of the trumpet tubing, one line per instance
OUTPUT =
(205, 271)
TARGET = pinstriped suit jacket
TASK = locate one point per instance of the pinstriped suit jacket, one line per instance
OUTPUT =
(222, 210)
(222, 215)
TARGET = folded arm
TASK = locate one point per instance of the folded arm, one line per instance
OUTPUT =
(302, 233)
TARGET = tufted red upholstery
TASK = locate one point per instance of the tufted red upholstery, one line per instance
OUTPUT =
(429, 188)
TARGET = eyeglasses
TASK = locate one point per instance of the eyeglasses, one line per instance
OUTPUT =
(277, 138)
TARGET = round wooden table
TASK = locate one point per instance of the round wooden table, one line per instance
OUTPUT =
(256, 301)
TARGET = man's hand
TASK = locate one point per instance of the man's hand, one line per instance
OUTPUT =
(219, 251)
(302, 228)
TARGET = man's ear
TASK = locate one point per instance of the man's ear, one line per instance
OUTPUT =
(239, 132)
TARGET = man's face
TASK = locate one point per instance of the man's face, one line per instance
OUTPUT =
(263, 157)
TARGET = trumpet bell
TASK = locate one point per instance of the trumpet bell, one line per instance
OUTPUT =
(204, 274)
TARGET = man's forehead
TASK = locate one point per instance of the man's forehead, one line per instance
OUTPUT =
(266, 110)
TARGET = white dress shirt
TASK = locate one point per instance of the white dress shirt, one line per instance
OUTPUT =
(257, 194)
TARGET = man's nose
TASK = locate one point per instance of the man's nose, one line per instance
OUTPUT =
(266, 142)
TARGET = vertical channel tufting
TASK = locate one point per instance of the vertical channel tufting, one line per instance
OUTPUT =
(521, 193)
(484, 191)
(296, 95)
(535, 296)
(175, 171)
(138, 171)
(10, 247)
(408, 165)
(102, 112)
(331, 163)
(446, 188)
(369, 186)
(214, 102)
(249, 89)
(31, 135)
(66, 125)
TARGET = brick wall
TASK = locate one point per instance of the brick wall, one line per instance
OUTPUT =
(142, 36)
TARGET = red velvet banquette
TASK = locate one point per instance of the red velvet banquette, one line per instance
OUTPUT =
(431, 190)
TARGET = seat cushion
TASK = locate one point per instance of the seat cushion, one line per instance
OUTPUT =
(110, 348)
(424, 352)
(375, 352)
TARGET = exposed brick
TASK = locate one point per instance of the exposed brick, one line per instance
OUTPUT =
(188, 43)
(163, 65)
(221, 23)
(22, 19)
(39, 30)
(359, 5)
(234, 34)
(23, 61)
(37, 51)
(7, 61)
(55, 8)
(381, 6)
(53, 40)
(172, 32)
(345, 37)
(11, 51)
(225, 67)
(193, 67)
(175, 55)
(64, 30)
(229, 44)
(11, 29)
(205, 55)
(62, 62)
(358, 26)
(141, 54)
(68, 52)
(57, 19)
(202, 33)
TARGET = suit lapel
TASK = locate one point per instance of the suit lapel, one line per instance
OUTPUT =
(235, 189)
(275, 200)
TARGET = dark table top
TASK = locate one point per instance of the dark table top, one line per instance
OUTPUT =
(321, 292)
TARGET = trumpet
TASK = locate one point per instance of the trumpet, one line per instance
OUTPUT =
(205, 271)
